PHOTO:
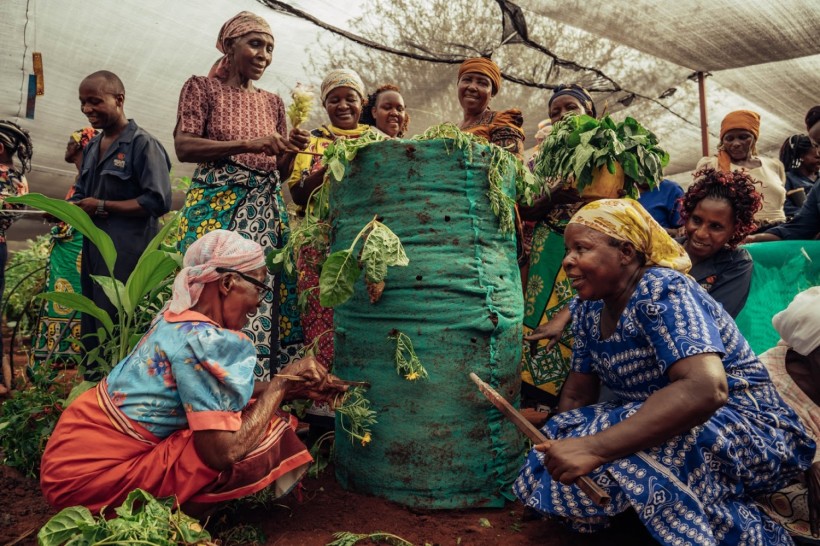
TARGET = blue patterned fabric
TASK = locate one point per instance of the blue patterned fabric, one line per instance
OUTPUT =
(696, 488)
(183, 365)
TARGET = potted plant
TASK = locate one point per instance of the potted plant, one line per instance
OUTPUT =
(602, 156)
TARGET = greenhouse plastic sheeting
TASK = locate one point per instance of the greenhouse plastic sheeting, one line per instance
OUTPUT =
(781, 270)
(438, 443)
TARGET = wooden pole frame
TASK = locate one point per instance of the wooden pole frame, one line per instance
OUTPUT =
(704, 124)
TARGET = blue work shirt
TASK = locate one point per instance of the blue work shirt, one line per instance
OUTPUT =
(135, 166)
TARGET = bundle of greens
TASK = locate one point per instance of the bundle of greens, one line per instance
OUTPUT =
(579, 146)
(141, 519)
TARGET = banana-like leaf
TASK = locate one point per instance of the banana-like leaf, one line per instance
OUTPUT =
(153, 267)
(79, 303)
(79, 220)
(115, 291)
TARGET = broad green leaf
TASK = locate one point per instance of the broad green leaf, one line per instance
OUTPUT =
(154, 266)
(582, 156)
(78, 390)
(275, 260)
(64, 526)
(156, 242)
(114, 291)
(81, 304)
(336, 168)
(339, 273)
(79, 220)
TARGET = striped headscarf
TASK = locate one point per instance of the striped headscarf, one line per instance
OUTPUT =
(342, 77)
(626, 220)
(579, 93)
(240, 24)
(16, 140)
(217, 248)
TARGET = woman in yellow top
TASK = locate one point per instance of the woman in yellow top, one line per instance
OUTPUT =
(342, 95)
(479, 80)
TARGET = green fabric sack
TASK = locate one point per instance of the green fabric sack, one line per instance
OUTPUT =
(438, 443)
(781, 270)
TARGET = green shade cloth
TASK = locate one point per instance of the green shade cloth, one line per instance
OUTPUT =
(781, 270)
(438, 443)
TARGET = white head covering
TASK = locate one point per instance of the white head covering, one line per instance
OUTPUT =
(799, 324)
(342, 77)
(218, 248)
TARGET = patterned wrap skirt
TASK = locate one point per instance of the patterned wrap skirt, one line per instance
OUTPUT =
(225, 195)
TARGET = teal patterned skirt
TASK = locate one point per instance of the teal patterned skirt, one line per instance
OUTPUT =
(225, 195)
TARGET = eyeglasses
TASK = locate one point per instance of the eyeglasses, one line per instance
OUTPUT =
(261, 288)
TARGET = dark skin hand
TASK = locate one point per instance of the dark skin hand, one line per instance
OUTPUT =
(221, 449)
(551, 330)
(542, 205)
(193, 148)
(129, 207)
(698, 388)
(301, 192)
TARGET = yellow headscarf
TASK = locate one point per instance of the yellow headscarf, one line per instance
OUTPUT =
(626, 220)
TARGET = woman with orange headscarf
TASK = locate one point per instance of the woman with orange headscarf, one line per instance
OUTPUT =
(739, 132)
(479, 80)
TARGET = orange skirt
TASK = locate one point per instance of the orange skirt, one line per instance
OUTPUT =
(97, 455)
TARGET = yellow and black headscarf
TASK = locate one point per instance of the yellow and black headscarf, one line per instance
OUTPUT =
(626, 220)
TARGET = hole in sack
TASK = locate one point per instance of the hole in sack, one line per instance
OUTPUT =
(446, 218)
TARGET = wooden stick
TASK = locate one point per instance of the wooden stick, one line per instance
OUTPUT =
(585, 483)
(317, 154)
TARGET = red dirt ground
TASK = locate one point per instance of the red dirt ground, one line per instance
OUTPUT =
(325, 508)
(322, 508)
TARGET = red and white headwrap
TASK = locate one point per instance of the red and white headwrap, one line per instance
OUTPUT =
(218, 248)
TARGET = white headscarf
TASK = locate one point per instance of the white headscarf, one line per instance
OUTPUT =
(799, 324)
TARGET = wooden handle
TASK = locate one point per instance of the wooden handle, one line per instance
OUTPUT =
(593, 490)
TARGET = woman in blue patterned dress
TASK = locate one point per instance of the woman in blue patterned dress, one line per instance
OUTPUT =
(696, 430)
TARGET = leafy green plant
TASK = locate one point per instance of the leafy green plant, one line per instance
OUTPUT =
(155, 266)
(355, 416)
(345, 538)
(407, 363)
(28, 419)
(578, 146)
(25, 277)
(340, 153)
(142, 519)
(317, 451)
(381, 249)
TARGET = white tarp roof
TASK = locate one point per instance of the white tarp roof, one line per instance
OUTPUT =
(762, 55)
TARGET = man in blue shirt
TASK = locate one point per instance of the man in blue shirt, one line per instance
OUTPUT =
(124, 185)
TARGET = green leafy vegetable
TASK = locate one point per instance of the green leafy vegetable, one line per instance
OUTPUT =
(579, 146)
(380, 250)
(345, 538)
(407, 362)
(355, 416)
(141, 519)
